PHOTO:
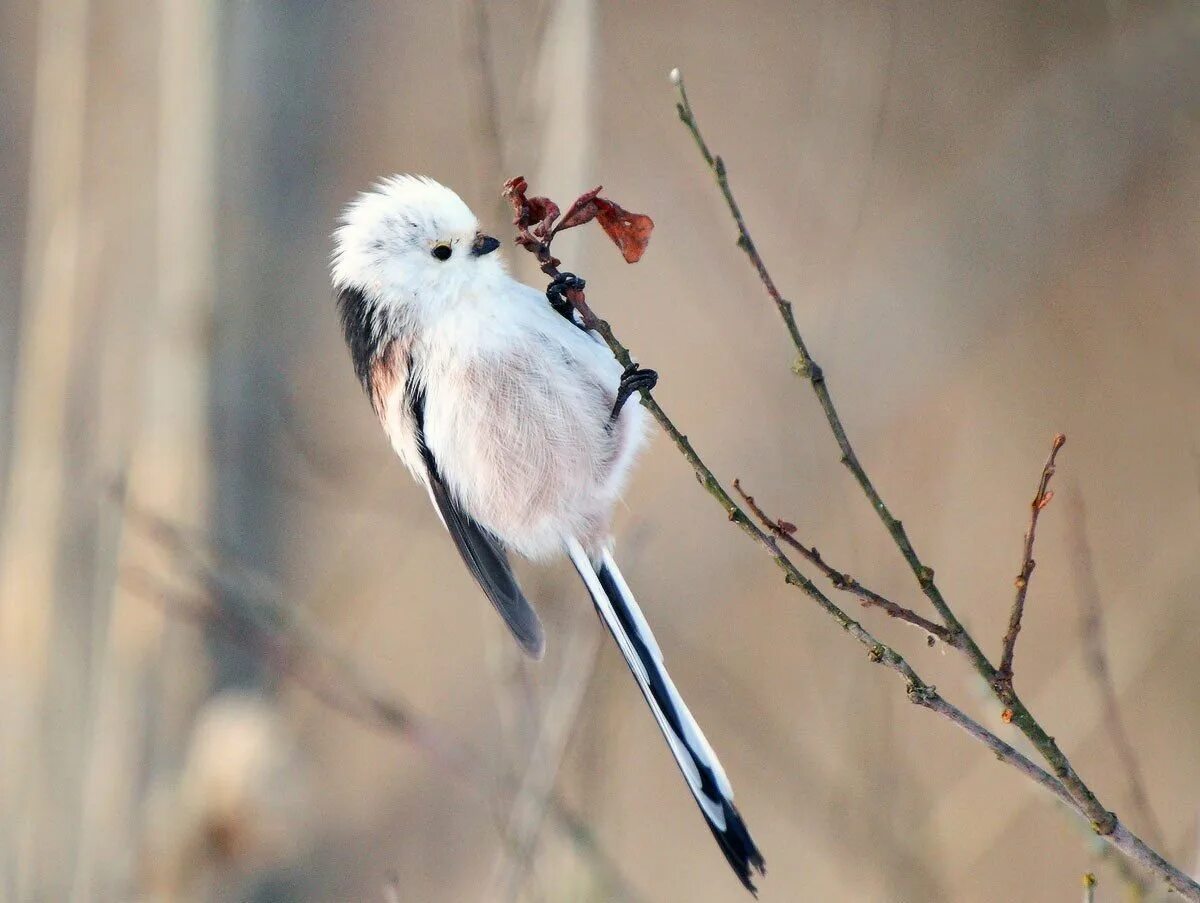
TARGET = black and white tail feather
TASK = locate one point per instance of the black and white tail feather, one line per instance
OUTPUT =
(701, 769)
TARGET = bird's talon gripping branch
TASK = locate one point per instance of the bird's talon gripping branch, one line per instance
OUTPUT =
(556, 293)
(634, 379)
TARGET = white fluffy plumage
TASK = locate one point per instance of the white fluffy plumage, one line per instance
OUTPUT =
(517, 398)
(507, 412)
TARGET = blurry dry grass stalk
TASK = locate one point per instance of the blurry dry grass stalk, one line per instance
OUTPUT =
(545, 759)
(1092, 632)
(1061, 779)
(253, 615)
(33, 516)
(168, 451)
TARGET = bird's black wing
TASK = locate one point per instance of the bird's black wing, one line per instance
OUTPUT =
(480, 550)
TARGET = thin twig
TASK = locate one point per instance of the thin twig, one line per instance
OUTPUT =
(1089, 888)
(1103, 821)
(1096, 654)
(1064, 783)
(1041, 498)
(783, 531)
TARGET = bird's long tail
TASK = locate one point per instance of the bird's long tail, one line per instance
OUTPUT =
(696, 759)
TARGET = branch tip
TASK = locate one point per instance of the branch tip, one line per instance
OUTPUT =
(1003, 680)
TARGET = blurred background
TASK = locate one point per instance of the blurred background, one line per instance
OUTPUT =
(239, 659)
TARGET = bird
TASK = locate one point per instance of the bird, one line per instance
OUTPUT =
(514, 417)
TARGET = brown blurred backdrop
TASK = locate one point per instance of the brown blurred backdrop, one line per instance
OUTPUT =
(987, 215)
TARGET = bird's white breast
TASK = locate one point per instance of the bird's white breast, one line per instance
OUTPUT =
(517, 418)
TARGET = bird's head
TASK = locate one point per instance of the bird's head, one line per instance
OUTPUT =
(410, 240)
(401, 252)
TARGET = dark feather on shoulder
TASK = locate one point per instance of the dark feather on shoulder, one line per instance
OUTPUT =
(362, 328)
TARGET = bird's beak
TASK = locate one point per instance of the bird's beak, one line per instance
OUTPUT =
(483, 244)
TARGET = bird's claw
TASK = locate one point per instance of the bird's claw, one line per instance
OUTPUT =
(556, 293)
(634, 379)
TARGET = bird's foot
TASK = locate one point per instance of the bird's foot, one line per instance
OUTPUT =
(556, 293)
(634, 379)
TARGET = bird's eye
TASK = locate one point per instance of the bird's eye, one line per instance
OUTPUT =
(442, 252)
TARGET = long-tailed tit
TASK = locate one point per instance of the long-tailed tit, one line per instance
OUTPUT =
(514, 418)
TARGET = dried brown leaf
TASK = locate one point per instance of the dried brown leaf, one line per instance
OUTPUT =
(534, 217)
(584, 210)
(538, 219)
(514, 190)
(629, 231)
(542, 213)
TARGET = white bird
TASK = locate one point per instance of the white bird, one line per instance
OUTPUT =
(514, 418)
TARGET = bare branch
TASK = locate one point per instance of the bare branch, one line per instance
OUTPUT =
(1064, 783)
(1103, 821)
(1003, 751)
(784, 532)
(535, 235)
(1041, 498)
(806, 367)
